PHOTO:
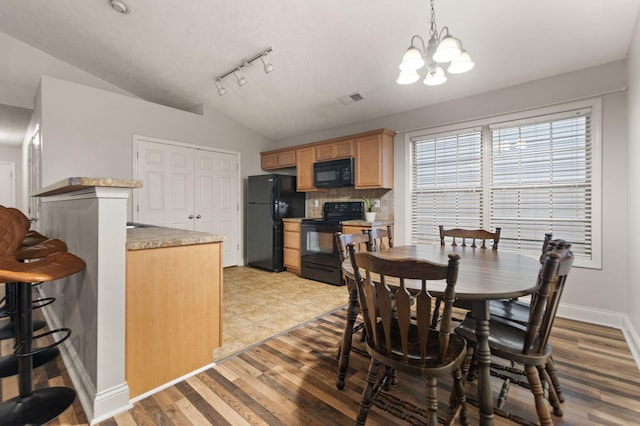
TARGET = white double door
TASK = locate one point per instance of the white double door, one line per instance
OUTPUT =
(190, 188)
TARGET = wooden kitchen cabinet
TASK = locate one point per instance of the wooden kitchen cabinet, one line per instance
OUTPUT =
(374, 160)
(334, 150)
(274, 160)
(173, 312)
(305, 158)
(292, 246)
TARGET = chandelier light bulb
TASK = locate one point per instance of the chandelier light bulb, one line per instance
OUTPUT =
(447, 51)
(462, 63)
(435, 76)
(412, 59)
(408, 77)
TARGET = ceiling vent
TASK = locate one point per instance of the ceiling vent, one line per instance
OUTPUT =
(349, 99)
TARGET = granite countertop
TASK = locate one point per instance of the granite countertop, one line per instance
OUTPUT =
(360, 222)
(148, 237)
(77, 183)
(293, 219)
(356, 222)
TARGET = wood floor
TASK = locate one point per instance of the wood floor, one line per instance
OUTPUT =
(290, 380)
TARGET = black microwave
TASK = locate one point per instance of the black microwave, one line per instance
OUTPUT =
(334, 173)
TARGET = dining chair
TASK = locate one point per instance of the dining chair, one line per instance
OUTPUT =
(470, 234)
(400, 338)
(464, 234)
(528, 344)
(360, 241)
(377, 238)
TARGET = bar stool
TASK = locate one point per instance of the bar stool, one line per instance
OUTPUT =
(42, 405)
(34, 246)
(9, 363)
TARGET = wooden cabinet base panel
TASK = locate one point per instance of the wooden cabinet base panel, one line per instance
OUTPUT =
(173, 313)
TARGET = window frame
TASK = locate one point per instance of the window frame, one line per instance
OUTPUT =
(524, 116)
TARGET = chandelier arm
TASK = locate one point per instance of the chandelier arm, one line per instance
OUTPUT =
(424, 48)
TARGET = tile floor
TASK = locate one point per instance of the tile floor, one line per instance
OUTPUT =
(258, 305)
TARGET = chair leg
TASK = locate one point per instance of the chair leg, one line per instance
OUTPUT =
(458, 398)
(367, 393)
(536, 389)
(553, 375)
(345, 349)
(431, 392)
(553, 396)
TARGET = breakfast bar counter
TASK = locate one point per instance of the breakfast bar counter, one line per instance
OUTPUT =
(173, 304)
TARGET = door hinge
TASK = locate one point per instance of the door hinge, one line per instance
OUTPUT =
(138, 208)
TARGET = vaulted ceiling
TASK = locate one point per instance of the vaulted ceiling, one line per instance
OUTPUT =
(170, 52)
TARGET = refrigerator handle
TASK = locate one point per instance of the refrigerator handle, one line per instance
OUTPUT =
(272, 202)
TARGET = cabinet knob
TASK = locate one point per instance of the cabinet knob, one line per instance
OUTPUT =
(198, 217)
(190, 216)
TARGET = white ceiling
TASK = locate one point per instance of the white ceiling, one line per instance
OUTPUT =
(170, 52)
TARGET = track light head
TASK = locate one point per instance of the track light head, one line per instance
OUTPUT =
(241, 80)
(268, 66)
(221, 90)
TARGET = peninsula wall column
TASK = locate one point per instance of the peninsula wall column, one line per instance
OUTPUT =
(90, 215)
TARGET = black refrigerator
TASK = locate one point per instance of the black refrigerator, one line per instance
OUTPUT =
(270, 198)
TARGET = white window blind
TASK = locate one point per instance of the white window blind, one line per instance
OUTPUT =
(446, 182)
(528, 174)
(541, 181)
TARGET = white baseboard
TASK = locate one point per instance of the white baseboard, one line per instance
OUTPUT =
(633, 339)
(591, 315)
(606, 318)
(97, 406)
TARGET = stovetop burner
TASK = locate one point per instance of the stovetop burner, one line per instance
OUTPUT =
(335, 212)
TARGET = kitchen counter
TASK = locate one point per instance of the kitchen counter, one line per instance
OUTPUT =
(74, 184)
(365, 223)
(148, 237)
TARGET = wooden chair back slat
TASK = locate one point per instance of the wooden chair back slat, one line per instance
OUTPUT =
(470, 234)
(377, 238)
(544, 304)
(374, 292)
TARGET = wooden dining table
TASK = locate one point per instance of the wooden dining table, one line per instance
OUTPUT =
(484, 275)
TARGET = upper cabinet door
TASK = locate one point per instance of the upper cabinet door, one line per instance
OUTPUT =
(374, 161)
(304, 169)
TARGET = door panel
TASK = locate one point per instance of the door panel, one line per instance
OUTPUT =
(190, 188)
(167, 175)
(216, 200)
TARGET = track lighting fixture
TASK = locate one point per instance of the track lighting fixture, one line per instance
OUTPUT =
(241, 80)
(221, 90)
(439, 50)
(237, 71)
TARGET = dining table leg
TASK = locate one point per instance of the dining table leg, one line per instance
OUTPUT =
(485, 394)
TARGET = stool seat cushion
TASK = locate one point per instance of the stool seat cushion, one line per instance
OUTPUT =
(40, 250)
(52, 267)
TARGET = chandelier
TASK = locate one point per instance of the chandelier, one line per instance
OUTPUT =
(441, 49)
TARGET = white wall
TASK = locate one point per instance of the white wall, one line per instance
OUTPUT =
(13, 154)
(88, 132)
(633, 177)
(593, 295)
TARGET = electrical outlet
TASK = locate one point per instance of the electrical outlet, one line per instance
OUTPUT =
(377, 203)
(316, 204)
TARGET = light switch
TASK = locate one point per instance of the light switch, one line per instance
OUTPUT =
(377, 203)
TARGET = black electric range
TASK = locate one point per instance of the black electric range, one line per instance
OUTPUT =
(320, 260)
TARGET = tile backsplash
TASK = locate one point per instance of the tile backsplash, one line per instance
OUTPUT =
(384, 212)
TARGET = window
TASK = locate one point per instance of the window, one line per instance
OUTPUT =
(526, 173)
